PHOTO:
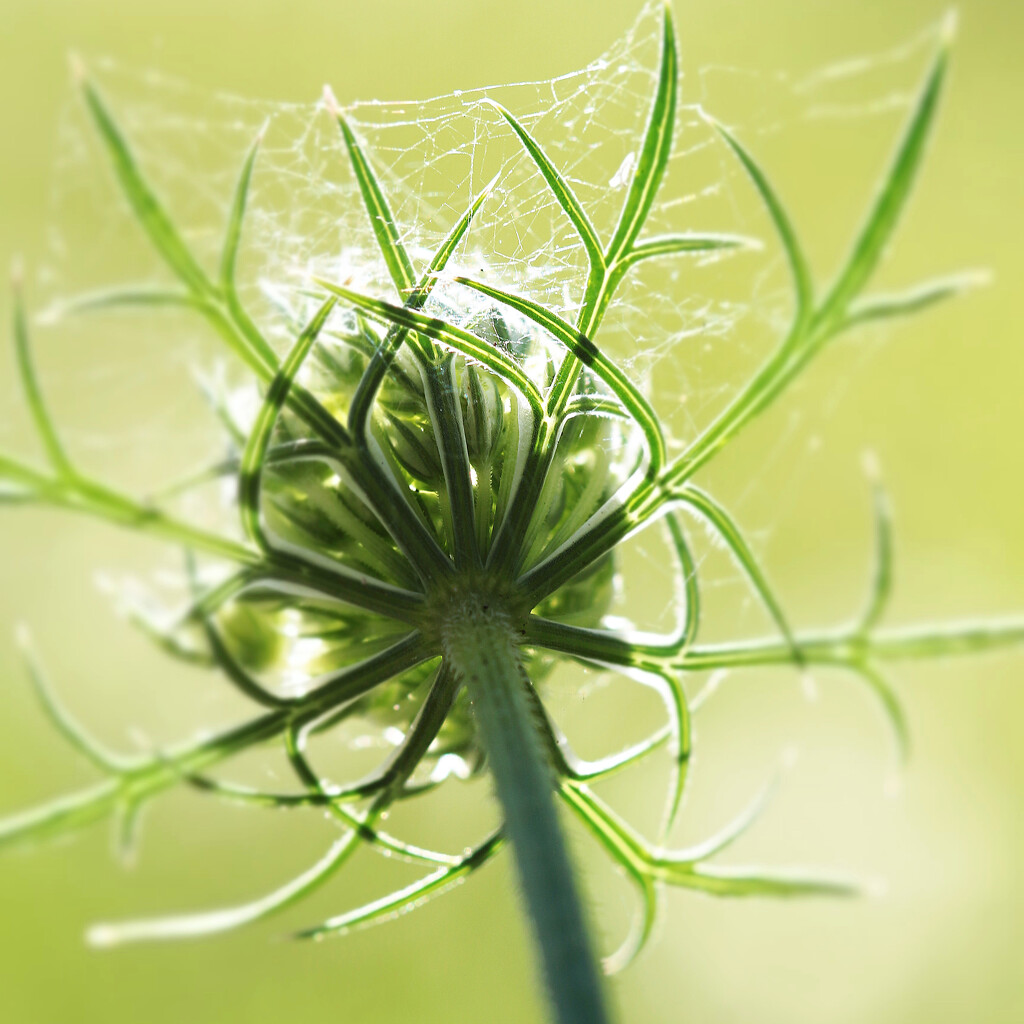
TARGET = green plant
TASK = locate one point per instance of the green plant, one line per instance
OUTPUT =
(434, 491)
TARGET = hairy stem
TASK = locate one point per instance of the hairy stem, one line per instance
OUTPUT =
(480, 645)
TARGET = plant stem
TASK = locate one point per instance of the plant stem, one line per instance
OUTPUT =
(480, 644)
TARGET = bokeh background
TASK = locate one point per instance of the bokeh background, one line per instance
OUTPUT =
(939, 403)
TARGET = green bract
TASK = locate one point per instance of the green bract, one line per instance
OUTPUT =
(422, 450)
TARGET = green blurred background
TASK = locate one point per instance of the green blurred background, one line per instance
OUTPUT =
(939, 403)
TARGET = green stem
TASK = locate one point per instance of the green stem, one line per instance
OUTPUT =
(480, 645)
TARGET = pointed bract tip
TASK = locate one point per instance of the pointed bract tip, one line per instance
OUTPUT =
(875, 888)
(127, 860)
(983, 277)
(894, 786)
(489, 187)
(330, 101)
(51, 315)
(809, 685)
(715, 680)
(76, 67)
(870, 465)
(262, 133)
(101, 936)
(22, 637)
(948, 28)
(126, 854)
(494, 105)
(708, 118)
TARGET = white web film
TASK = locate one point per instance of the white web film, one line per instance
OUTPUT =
(702, 321)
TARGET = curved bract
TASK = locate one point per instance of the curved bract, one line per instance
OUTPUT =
(424, 448)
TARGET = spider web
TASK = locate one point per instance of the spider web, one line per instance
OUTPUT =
(687, 330)
(690, 319)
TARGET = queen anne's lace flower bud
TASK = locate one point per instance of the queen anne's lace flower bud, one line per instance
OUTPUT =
(310, 505)
(432, 494)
